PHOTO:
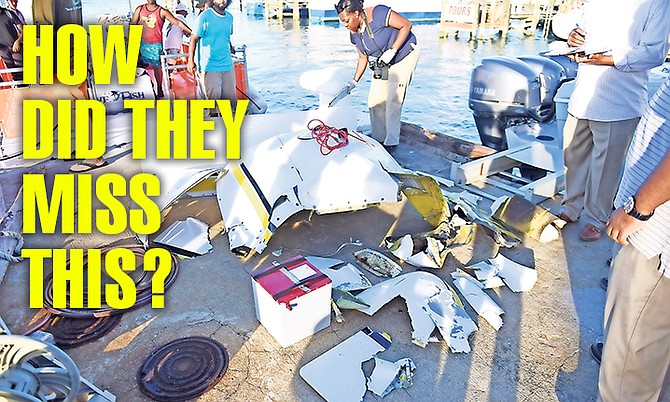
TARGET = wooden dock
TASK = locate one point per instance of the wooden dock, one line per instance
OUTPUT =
(281, 9)
(483, 19)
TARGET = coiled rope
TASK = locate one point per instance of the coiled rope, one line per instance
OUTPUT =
(329, 138)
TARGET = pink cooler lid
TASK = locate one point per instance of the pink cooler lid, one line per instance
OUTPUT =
(290, 279)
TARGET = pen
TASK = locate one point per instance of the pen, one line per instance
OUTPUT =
(578, 33)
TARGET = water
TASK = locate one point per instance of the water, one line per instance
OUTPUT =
(279, 52)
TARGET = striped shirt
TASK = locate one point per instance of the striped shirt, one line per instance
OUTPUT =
(647, 149)
(636, 31)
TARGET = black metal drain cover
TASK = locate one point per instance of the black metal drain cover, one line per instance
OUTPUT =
(183, 369)
(72, 332)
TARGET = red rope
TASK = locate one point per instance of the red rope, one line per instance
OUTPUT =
(329, 138)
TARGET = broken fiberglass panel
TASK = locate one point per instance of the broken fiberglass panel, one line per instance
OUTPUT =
(517, 277)
(179, 182)
(286, 174)
(430, 303)
(189, 237)
(387, 376)
(343, 364)
(482, 303)
(344, 275)
(349, 178)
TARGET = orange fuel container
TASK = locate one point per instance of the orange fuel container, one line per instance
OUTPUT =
(183, 85)
(240, 68)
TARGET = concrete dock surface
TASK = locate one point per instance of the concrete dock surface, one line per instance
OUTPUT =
(541, 353)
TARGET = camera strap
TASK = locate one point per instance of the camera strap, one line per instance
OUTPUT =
(371, 34)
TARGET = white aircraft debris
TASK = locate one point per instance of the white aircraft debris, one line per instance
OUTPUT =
(343, 363)
(430, 249)
(430, 303)
(189, 238)
(482, 303)
(517, 277)
(345, 276)
(388, 376)
(287, 174)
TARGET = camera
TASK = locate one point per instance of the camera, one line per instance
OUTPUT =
(380, 70)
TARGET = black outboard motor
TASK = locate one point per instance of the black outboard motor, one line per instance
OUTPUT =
(504, 90)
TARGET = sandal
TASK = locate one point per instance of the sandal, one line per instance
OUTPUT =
(86, 166)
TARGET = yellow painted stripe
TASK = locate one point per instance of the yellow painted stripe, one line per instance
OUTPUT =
(252, 195)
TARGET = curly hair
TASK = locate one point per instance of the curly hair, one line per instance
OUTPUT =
(349, 6)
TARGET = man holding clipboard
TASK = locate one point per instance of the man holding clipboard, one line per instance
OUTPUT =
(616, 45)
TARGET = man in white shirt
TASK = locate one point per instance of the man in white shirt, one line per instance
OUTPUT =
(629, 37)
(636, 356)
(174, 36)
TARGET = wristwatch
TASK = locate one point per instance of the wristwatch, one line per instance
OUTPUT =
(629, 208)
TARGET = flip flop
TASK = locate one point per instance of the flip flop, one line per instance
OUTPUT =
(85, 166)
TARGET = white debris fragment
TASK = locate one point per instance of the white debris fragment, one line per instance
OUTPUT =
(388, 376)
(487, 275)
(517, 277)
(480, 301)
(453, 322)
(337, 375)
(189, 237)
(430, 303)
(345, 276)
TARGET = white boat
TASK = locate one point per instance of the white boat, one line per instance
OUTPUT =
(416, 10)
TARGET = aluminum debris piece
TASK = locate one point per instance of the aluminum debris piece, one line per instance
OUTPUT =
(345, 276)
(343, 362)
(377, 263)
(429, 249)
(387, 376)
(482, 303)
(188, 238)
(517, 277)
(430, 303)
(527, 218)
(183, 369)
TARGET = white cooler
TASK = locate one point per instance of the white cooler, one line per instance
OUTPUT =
(292, 299)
